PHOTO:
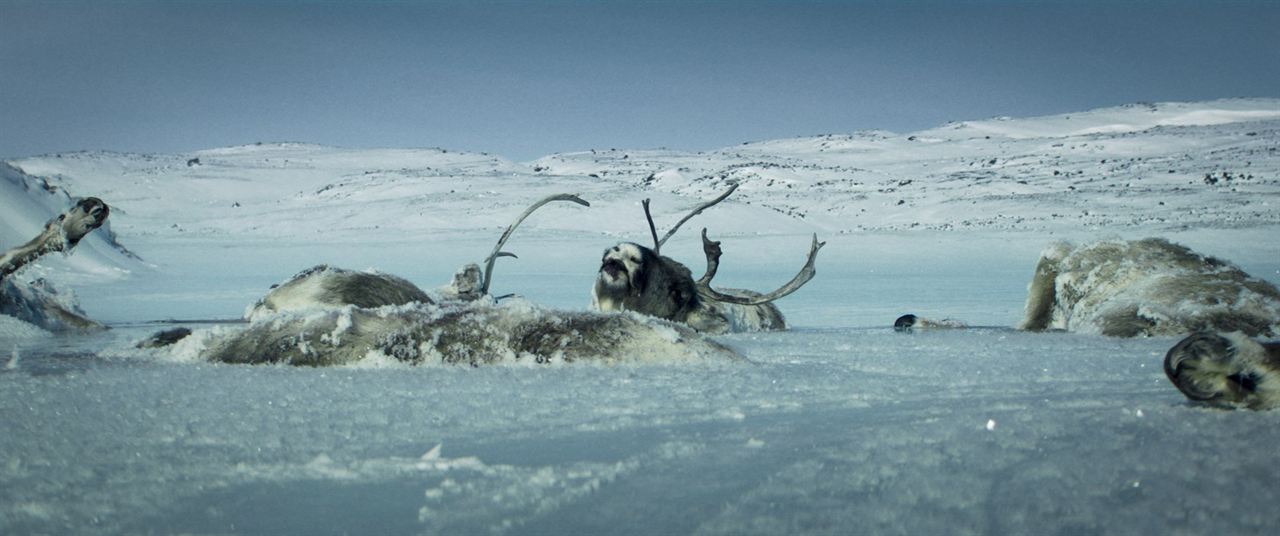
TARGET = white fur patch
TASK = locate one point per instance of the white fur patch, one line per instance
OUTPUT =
(296, 295)
(630, 256)
(631, 259)
(604, 303)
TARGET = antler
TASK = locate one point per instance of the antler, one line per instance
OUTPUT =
(657, 246)
(712, 250)
(695, 212)
(497, 249)
(648, 216)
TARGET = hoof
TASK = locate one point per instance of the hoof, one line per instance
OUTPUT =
(1198, 365)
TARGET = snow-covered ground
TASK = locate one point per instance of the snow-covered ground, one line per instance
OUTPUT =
(838, 426)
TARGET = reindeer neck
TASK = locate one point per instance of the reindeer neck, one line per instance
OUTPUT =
(48, 241)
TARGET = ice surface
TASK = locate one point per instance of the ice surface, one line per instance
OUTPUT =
(12, 328)
(826, 431)
(839, 426)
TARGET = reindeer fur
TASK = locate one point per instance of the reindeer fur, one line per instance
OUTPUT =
(1149, 287)
(459, 332)
(326, 286)
(1226, 369)
(39, 302)
(634, 278)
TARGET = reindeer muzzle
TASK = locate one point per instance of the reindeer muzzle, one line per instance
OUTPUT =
(1183, 362)
(613, 267)
(96, 209)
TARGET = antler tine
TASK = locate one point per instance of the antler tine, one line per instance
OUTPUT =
(806, 273)
(695, 212)
(497, 249)
(657, 246)
(713, 251)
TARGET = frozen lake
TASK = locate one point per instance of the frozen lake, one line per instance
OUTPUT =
(838, 426)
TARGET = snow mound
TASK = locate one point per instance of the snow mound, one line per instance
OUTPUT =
(13, 329)
(42, 303)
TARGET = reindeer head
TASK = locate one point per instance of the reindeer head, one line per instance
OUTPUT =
(1225, 369)
(635, 278)
(88, 214)
(621, 265)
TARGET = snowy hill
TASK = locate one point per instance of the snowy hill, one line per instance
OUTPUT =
(1132, 171)
(1137, 166)
(1159, 167)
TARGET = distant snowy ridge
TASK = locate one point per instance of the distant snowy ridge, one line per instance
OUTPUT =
(1115, 120)
(1159, 167)
(1137, 170)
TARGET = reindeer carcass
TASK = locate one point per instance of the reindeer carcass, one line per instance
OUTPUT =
(1226, 370)
(330, 316)
(1146, 287)
(38, 302)
(636, 278)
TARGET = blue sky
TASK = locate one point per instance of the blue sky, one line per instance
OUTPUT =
(525, 79)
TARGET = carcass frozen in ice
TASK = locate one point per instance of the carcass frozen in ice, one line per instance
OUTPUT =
(1146, 287)
(39, 302)
(1226, 369)
(330, 316)
(1149, 287)
(909, 323)
(636, 278)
